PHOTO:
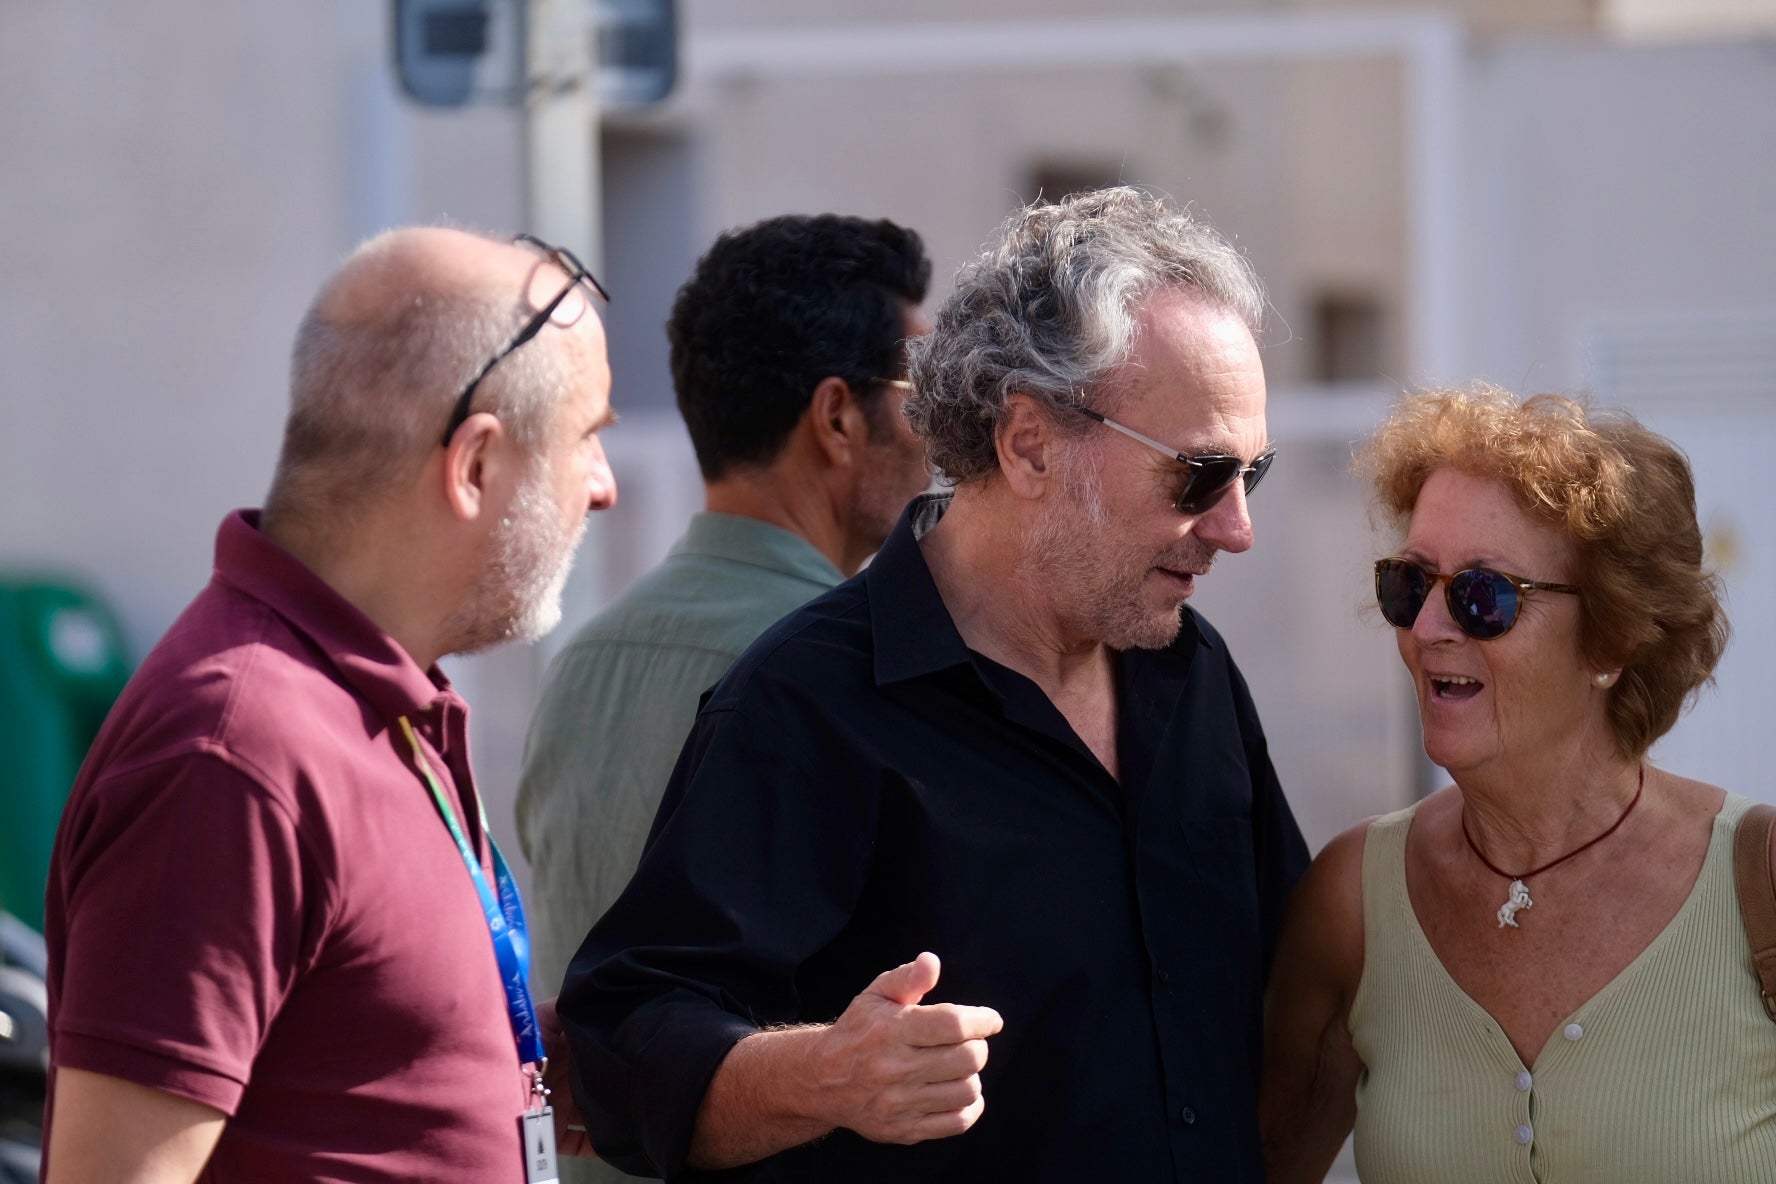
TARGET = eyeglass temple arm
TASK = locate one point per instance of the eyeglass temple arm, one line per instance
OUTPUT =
(463, 401)
(1522, 582)
(1132, 434)
(567, 261)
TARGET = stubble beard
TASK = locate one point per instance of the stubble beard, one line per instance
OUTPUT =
(1098, 588)
(518, 595)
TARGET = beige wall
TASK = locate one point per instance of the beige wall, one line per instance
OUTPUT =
(176, 179)
(1486, 17)
(1689, 18)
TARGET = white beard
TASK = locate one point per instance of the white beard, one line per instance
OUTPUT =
(518, 596)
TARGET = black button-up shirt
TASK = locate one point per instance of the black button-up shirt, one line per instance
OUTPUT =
(861, 787)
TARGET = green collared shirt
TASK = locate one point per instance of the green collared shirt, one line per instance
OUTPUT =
(618, 703)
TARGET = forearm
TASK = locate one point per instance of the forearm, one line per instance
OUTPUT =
(1306, 1125)
(764, 1098)
(109, 1131)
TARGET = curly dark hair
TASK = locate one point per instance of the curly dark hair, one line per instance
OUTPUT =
(773, 309)
(1625, 497)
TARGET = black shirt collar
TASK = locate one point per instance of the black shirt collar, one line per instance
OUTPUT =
(912, 628)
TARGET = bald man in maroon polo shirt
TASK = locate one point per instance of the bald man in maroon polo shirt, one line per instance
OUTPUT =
(269, 958)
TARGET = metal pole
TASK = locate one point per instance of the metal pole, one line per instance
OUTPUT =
(563, 204)
(561, 127)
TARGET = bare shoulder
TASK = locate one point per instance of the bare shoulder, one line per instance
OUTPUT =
(1699, 802)
(1691, 807)
(1325, 921)
(1338, 868)
(1691, 799)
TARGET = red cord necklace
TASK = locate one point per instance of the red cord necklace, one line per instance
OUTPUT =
(1519, 897)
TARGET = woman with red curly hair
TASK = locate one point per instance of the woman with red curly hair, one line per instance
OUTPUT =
(1539, 972)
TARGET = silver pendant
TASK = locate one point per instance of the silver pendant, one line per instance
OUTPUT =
(1519, 901)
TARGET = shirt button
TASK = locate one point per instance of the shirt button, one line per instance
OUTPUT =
(1524, 1134)
(1187, 1116)
(1524, 1080)
(1573, 1031)
(1165, 976)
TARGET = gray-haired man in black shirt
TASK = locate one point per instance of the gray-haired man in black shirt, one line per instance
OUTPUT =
(1006, 743)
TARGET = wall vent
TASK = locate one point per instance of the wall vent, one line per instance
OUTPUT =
(1716, 355)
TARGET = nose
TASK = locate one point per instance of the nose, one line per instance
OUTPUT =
(1228, 523)
(1434, 622)
(601, 482)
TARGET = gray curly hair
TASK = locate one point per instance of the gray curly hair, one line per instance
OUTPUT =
(1049, 310)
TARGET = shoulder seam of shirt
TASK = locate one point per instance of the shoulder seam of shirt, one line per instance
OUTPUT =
(252, 775)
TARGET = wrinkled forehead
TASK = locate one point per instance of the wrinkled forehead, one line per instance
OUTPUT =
(1464, 518)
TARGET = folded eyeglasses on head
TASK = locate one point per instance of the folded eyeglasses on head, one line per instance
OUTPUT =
(577, 273)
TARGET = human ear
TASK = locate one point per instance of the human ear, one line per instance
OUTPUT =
(1028, 447)
(837, 420)
(473, 460)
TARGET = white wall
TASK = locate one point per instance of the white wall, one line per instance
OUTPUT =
(176, 179)
(1609, 180)
(1626, 195)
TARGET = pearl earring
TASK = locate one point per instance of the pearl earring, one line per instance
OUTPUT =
(1604, 679)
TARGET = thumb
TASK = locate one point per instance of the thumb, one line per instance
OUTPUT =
(908, 983)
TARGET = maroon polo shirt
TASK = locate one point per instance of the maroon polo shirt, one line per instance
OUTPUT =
(254, 903)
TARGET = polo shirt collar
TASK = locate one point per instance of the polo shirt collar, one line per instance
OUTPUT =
(911, 626)
(368, 660)
(735, 538)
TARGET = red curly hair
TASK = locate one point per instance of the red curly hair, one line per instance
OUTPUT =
(1625, 497)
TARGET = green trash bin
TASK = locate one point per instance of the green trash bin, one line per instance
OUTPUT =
(62, 665)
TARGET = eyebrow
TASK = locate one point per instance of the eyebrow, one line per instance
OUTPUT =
(1474, 560)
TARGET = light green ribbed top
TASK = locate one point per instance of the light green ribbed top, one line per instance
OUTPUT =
(1665, 1076)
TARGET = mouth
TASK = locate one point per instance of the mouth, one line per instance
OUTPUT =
(1454, 688)
(1184, 581)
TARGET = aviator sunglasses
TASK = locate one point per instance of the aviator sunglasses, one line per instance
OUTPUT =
(1211, 475)
(1483, 603)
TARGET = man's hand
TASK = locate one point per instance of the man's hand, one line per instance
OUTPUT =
(897, 1071)
(570, 1129)
(890, 1068)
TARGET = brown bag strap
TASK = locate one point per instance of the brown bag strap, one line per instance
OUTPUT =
(1757, 898)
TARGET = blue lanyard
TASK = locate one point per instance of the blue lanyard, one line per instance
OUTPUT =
(505, 914)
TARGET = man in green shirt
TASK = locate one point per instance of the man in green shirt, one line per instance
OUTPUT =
(788, 360)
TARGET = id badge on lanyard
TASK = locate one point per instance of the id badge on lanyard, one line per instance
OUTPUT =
(538, 1127)
(511, 948)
